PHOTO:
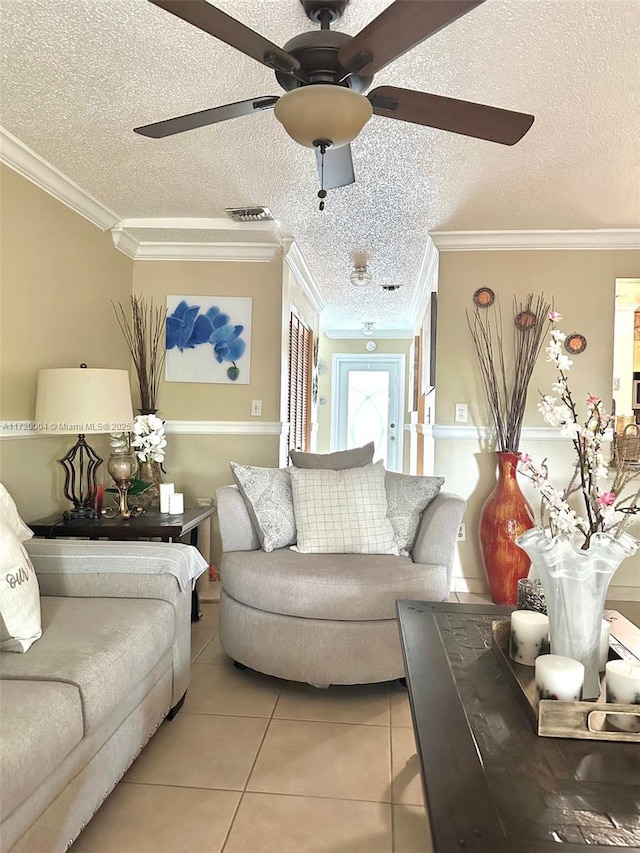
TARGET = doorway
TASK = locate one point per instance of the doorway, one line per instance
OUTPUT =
(367, 405)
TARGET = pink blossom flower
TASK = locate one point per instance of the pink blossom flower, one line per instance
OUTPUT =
(606, 499)
(555, 315)
(592, 400)
(524, 457)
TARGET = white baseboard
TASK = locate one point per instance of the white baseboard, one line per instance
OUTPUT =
(479, 586)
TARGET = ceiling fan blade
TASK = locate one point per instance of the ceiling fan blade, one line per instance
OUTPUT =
(465, 117)
(160, 129)
(217, 23)
(401, 26)
(338, 167)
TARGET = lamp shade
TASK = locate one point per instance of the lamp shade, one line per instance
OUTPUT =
(323, 112)
(83, 400)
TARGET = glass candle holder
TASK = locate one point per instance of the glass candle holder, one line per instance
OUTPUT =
(531, 595)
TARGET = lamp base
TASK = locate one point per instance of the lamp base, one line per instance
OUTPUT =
(79, 512)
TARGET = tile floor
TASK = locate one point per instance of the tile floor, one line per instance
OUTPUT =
(252, 764)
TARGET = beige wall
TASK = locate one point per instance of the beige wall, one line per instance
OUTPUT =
(582, 285)
(354, 346)
(57, 275)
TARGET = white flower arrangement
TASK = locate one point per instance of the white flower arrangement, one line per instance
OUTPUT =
(148, 440)
(605, 509)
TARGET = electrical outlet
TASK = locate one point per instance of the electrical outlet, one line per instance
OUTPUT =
(461, 413)
(256, 408)
(462, 532)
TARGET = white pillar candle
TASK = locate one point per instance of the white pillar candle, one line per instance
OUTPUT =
(558, 677)
(166, 489)
(176, 503)
(529, 636)
(623, 687)
(605, 636)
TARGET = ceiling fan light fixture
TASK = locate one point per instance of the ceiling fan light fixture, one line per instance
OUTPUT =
(323, 112)
(360, 277)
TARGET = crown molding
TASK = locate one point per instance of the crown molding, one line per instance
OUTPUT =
(30, 165)
(485, 241)
(301, 272)
(357, 334)
(195, 223)
(427, 282)
(140, 250)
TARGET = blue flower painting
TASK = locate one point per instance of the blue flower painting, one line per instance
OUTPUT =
(207, 339)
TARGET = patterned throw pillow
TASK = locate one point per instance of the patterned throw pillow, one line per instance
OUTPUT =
(338, 461)
(408, 497)
(342, 512)
(20, 624)
(267, 495)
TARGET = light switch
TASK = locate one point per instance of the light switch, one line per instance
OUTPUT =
(256, 408)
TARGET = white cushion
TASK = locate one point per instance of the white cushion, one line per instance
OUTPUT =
(408, 497)
(9, 511)
(342, 512)
(267, 495)
(19, 594)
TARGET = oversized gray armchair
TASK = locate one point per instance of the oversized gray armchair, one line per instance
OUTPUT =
(326, 618)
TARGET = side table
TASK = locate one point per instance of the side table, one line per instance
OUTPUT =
(150, 525)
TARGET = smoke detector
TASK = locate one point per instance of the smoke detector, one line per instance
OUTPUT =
(361, 276)
(249, 214)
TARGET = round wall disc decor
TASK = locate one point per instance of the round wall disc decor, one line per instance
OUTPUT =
(484, 297)
(525, 320)
(575, 343)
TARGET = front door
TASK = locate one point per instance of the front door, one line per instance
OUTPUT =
(367, 405)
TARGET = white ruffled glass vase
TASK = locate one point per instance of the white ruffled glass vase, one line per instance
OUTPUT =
(575, 585)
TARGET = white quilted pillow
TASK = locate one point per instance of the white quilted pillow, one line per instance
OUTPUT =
(20, 624)
(9, 512)
(342, 512)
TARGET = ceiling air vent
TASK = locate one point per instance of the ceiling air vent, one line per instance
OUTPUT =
(390, 287)
(249, 214)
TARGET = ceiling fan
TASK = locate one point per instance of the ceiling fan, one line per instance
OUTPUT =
(324, 74)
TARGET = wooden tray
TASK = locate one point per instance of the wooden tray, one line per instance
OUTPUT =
(552, 718)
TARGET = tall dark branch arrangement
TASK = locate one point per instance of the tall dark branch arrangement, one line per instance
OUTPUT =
(506, 381)
(144, 333)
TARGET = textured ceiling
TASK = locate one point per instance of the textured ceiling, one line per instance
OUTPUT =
(78, 75)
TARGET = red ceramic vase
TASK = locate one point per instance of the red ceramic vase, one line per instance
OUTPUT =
(506, 514)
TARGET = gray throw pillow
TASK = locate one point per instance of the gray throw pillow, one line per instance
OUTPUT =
(357, 457)
(267, 495)
(408, 497)
(342, 512)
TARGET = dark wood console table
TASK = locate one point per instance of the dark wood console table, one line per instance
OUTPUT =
(150, 525)
(491, 785)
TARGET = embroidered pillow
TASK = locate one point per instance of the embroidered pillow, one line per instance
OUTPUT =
(408, 497)
(342, 512)
(357, 457)
(9, 511)
(267, 495)
(20, 624)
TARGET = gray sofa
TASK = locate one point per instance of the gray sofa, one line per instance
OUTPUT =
(326, 618)
(80, 704)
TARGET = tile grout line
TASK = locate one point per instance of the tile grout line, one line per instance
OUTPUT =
(251, 769)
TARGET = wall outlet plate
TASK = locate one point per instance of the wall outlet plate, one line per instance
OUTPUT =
(462, 532)
(461, 413)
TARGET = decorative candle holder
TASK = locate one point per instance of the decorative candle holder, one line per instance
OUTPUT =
(530, 595)
(123, 466)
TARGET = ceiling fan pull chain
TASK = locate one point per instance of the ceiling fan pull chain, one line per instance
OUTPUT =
(322, 193)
